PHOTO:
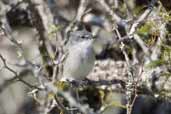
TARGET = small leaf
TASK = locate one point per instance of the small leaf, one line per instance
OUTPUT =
(145, 29)
(155, 63)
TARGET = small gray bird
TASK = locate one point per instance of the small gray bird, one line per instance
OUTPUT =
(81, 56)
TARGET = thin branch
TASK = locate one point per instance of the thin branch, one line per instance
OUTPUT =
(98, 83)
(38, 23)
(61, 105)
(162, 38)
(8, 32)
(81, 10)
(114, 16)
(17, 77)
(129, 84)
(142, 18)
(142, 44)
(129, 10)
(10, 81)
(83, 108)
(80, 13)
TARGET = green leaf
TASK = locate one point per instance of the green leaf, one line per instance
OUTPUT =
(155, 63)
(145, 29)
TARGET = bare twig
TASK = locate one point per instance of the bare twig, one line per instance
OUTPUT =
(157, 49)
(142, 45)
(115, 17)
(61, 105)
(81, 10)
(129, 10)
(16, 76)
(80, 13)
(129, 84)
(8, 32)
(98, 83)
(116, 4)
(83, 108)
(38, 22)
(142, 18)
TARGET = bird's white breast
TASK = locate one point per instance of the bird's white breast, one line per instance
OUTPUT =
(79, 61)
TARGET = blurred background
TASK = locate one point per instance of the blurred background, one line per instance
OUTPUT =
(24, 22)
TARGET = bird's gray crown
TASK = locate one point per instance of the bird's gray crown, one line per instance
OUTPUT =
(78, 36)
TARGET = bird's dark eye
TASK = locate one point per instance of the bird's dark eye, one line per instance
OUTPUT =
(85, 36)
